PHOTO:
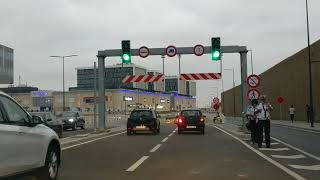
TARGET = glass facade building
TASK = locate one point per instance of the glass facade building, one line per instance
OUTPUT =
(112, 78)
(6, 65)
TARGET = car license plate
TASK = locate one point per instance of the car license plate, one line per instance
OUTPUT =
(191, 127)
(140, 127)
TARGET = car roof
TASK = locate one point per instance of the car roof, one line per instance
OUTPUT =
(4, 94)
(143, 109)
(191, 109)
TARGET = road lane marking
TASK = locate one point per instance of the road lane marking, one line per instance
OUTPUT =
(137, 164)
(84, 138)
(170, 135)
(313, 167)
(274, 149)
(299, 129)
(155, 148)
(280, 166)
(275, 143)
(87, 142)
(299, 156)
(165, 139)
(297, 149)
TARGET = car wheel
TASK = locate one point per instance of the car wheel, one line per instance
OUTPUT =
(74, 127)
(51, 167)
(129, 133)
(60, 133)
(202, 131)
(83, 126)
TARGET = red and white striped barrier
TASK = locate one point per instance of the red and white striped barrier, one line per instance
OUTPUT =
(200, 76)
(143, 78)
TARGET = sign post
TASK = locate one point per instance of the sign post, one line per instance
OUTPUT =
(280, 100)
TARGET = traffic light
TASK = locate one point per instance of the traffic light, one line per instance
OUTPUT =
(126, 51)
(215, 49)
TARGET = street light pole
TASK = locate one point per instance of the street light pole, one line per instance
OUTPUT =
(164, 78)
(63, 83)
(310, 69)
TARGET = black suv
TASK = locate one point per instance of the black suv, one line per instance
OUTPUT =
(191, 120)
(143, 120)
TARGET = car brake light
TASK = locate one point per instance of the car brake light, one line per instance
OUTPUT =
(180, 120)
(202, 119)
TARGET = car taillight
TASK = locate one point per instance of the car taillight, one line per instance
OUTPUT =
(202, 119)
(180, 120)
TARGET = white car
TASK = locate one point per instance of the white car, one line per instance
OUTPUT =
(25, 143)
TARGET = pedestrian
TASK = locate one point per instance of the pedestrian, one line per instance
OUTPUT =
(251, 116)
(263, 115)
(291, 112)
(308, 109)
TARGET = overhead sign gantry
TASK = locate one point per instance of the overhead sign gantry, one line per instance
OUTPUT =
(126, 52)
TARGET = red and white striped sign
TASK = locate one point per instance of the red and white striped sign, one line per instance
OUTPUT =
(143, 78)
(200, 76)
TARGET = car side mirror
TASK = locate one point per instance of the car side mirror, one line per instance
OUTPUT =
(204, 116)
(177, 117)
(49, 119)
(36, 120)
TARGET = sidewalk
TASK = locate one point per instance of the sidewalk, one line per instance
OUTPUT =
(297, 124)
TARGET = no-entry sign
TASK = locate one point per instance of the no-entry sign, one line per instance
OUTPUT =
(280, 99)
(143, 52)
(216, 100)
(253, 81)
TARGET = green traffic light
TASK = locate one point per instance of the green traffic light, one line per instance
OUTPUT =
(126, 57)
(216, 55)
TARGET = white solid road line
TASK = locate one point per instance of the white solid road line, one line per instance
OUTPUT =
(299, 156)
(165, 139)
(299, 129)
(274, 149)
(275, 143)
(297, 149)
(155, 148)
(87, 142)
(137, 164)
(313, 168)
(280, 166)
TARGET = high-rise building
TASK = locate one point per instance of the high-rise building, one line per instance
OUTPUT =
(6, 65)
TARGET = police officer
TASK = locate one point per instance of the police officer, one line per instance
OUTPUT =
(263, 125)
(251, 116)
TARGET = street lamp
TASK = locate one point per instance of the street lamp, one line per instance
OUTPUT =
(310, 69)
(63, 89)
(234, 94)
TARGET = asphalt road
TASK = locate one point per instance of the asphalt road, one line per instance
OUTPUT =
(214, 155)
(303, 139)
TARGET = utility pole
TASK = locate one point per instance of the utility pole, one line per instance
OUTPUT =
(310, 69)
(95, 96)
(164, 76)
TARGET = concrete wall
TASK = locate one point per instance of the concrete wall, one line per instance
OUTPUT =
(289, 79)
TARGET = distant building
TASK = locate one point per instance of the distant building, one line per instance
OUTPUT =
(18, 89)
(186, 87)
(113, 77)
(6, 65)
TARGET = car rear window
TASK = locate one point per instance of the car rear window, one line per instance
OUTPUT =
(191, 113)
(138, 114)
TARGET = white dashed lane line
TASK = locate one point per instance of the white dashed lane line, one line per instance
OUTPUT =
(274, 149)
(299, 156)
(137, 164)
(165, 139)
(155, 148)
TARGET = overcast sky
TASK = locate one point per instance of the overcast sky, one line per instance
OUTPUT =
(36, 29)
